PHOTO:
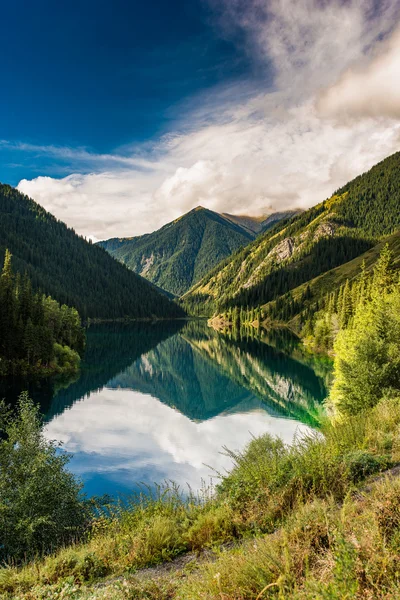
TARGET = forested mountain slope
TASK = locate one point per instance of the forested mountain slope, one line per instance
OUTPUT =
(299, 304)
(70, 269)
(181, 252)
(293, 252)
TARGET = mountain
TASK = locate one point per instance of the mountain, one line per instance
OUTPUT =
(293, 252)
(311, 295)
(111, 348)
(69, 268)
(179, 254)
(257, 225)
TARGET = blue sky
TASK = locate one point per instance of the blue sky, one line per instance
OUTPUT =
(101, 74)
(120, 116)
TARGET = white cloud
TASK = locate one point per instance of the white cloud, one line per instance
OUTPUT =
(310, 43)
(372, 90)
(126, 434)
(241, 150)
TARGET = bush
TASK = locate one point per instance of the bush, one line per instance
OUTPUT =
(213, 527)
(66, 359)
(361, 464)
(161, 540)
(41, 506)
(81, 565)
(270, 478)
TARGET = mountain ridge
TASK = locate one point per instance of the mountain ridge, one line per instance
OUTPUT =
(262, 223)
(293, 252)
(178, 254)
(70, 269)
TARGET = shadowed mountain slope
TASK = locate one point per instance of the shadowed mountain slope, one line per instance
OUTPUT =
(69, 268)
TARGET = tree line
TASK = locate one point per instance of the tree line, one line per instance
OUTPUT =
(37, 334)
(360, 322)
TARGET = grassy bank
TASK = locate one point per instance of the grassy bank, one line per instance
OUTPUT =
(289, 518)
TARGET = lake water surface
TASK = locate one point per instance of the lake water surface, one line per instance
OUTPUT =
(157, 402)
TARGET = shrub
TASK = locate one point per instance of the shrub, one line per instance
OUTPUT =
(214, 526)
(66, 359)
(361, 464)
(161, 540)
(41, 505)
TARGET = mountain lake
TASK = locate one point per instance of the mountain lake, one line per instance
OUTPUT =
(158, 402)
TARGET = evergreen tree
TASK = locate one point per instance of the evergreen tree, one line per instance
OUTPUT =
(346, 306)
(64, 265)
(36, 333)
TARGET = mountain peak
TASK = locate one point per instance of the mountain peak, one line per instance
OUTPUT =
(184, 250)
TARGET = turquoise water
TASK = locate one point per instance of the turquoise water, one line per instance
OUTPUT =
(158, 402)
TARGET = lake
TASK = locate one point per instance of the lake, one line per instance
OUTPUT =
(156, 402)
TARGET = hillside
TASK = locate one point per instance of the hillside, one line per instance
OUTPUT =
(70, 269)
(311, 294)
(179, 254)
(293, 252)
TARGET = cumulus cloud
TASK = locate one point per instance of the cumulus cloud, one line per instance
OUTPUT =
(247, 148)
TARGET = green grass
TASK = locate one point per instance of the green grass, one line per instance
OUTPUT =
(324, 550)
(290, 513)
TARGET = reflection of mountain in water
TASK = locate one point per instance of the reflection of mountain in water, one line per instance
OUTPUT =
(110, 349)
(196, 371)
(285, 341)
(203, 374)
(178, 376)
(285, 385)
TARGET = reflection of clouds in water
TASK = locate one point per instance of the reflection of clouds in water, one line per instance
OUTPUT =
(128, 436)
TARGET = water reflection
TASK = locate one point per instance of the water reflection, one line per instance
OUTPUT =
(120, 436)
(157, 402)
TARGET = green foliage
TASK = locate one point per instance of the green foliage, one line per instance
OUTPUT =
(360, 464)
(270, 478)
(367, 355)
(66, 358)
(336, 310)
(182, 252)
(312, 535)
(367, 348)
(212, 527)
(36, 333)
(373, 199)
(70, 269)
(41, 507)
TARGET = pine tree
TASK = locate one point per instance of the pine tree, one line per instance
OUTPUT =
(7, 306)
(33, 326)
(383, 272)
(346, 306)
